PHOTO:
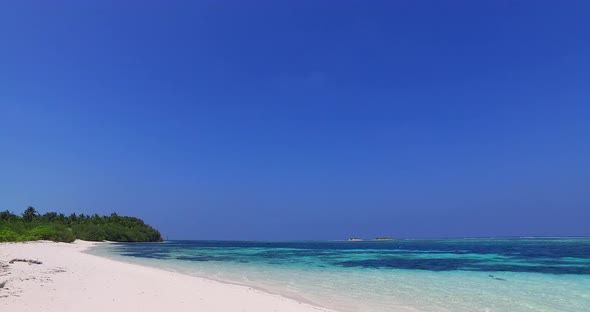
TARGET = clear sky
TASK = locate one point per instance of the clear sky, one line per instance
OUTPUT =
(300, 119)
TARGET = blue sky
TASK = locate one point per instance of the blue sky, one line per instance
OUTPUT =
(300, 119)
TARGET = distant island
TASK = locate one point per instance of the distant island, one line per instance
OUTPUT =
(31, 226)
(356, 239)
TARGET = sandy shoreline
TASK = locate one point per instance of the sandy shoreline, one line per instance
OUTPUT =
(71, 280)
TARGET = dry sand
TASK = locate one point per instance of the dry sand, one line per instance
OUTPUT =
(70, 280)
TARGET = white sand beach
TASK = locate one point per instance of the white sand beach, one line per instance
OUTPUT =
(70, 280)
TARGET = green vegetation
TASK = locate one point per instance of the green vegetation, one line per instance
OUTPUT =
(383, 238)
(57, 227)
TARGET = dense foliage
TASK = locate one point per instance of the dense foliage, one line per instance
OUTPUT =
(60, 228)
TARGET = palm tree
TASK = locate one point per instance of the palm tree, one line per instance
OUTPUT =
(7, 216)
(49, 216)
(72, 218)
(30, 214)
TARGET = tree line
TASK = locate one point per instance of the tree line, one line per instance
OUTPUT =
(31, 225)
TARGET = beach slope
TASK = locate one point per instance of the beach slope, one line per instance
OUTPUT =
(70, 280)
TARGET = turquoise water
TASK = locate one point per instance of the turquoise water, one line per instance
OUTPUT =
(404, 275)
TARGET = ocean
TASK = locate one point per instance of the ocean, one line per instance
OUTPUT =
(459, 275)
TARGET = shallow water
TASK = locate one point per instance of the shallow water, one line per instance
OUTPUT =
(404, 275)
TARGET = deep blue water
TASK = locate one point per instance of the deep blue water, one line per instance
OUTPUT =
(552, 256)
